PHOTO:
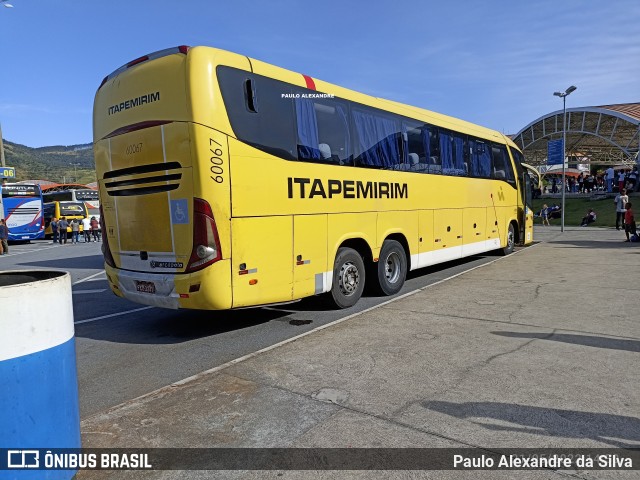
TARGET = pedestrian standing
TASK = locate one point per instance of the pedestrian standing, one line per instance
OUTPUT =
(610, 174)
(633, 178)
(54, 229)
(95, 229)
(62, 226)
(75, 230)
(581, 182)
(4, 237)
(621, 180)
(544, 213)
(86, 229)
(621, 201)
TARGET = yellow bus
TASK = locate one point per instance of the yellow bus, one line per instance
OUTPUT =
(68, 209)
(227, 182)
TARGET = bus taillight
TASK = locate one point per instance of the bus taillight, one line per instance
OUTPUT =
(206, 245)
(106, 251)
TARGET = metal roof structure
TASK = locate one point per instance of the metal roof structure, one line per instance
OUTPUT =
(604, 135)
(48, 186)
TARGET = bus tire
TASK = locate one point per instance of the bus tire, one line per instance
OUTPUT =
(348, 278)
(391, 268)
(511, 240)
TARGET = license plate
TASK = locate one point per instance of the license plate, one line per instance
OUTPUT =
(145, 287)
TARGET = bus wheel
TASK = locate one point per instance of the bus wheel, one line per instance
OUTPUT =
(348, 278)
(392, 268)
(511, 240)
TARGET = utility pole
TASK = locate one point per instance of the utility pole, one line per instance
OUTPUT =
(1, 148)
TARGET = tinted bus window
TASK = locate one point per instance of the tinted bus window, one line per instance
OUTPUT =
(379, 139)
(323, 130)
(260, 110)
(502, 169)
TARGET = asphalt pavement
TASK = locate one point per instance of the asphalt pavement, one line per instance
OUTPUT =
(538, 349)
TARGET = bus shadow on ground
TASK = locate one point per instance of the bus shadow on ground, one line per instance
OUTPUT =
(610, 429)
(159, 326)
(164, 327)
(95, 262)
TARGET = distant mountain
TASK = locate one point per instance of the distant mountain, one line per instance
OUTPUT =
(56, 163)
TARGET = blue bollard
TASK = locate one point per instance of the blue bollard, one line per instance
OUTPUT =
(38, 378)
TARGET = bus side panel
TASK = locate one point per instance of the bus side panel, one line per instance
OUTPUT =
(447, 229)
(425, 223)
(345, 226)
(474, 231)
(403, 222)
(309, 255)
(263, 246)
(212, 179)
(494, 227)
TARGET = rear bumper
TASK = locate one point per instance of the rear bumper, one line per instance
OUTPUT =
(165, 295)
(208, 289)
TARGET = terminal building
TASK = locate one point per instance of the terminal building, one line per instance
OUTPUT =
(608, 135)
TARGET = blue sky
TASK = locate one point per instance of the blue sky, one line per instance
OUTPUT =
(495, 63)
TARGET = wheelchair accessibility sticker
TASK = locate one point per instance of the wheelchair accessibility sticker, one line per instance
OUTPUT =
(179, 211)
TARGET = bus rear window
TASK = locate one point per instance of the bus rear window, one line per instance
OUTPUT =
(71, 209)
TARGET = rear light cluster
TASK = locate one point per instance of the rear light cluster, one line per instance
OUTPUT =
(206, 244)
(106, 251)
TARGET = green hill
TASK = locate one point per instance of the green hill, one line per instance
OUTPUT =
(58, 163)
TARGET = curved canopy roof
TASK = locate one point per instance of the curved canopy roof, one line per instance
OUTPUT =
(604, 135)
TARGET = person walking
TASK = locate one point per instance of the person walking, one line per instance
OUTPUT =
(629, 222)
(62, 226)
(75, 230)
(86, 229)
(621, 200)
(4, 237)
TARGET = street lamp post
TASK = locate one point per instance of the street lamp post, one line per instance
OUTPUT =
(75, 171)
(563, 95)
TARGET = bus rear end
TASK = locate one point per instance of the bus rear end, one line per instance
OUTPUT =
(23, 211)
(162, 216)
(71, 211)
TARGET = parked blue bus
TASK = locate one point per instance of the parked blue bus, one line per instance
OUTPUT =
(23, 211)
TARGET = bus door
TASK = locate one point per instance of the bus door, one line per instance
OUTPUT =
(528, 185)
(526, 224)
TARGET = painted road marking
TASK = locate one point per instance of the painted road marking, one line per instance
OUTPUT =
(112, 315)
(85, 279)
